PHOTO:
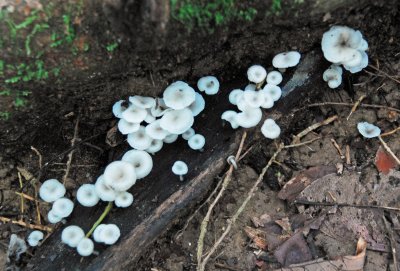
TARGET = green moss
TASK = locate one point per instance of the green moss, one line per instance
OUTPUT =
(207, 15)
(111, 47)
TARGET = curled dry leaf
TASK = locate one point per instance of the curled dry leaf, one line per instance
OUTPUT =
(384, 161)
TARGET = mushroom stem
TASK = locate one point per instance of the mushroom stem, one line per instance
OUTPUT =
(181, 178)
(201, 150)
(259, 85)
(101, 218)
(231, 160)
(282, 70)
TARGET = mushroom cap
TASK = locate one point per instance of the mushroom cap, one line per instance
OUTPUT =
(180, 168)
(197, 142)
(156, 146)
(274, 78)
(234, 95)
(188, 134)
(141, 162)
(241, 103)
(139, 140)
(96, 233)
(340, 42)
(368, 130)
(120, 175)
(134, 114)
(333, 75)
(286, 59)
(109, 234)
(362, 65)
(253, 98)
(72, 235)
(177, 121)
(171, 138)
(251, 87)
(52, 218)
(274, 91)
(208, 84)
(85, 247)
(63, 207)
(149, 118)
(34, 238)
(155, 131)
(51, 190)
(123, 199)
(127, 127)
(355, 59)
(270, 129)
(256, 74)
(105, 192)
(249, 118)
(142, 102)
(179, 95)
(87, 196)
(268, 101)
(159, 109)
(230, 116)
(118, 108)
(198, 105)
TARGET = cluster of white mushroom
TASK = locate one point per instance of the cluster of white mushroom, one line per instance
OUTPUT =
(257, 96)
(345, 46)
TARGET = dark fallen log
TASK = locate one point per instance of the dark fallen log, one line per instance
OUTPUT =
(161, 199)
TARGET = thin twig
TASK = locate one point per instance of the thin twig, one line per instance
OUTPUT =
(202, 264)
(349, 104)
(296, 138)
(390, 132)
(306, 202)
(302, 143)
(389, 150)
(348, 157)
(393, 243)
(26, 225)
(384, 73)
(22, 198)
(337, 147)
(70, 155)
(39, 155)
(206, 219)
(354, 108)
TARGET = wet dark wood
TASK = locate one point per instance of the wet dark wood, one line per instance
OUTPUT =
(161, 199)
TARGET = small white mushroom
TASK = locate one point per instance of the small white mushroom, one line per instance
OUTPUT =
(177, 121)
(270, 129)
(198, 105)
(156, 146)
(179, 95)
(120, 175)
(134, 114)
(268, 101)
(51, 190)
(188, 134)
(87, 196)
(96, 233)
(123, 199)
(127, 127)
(250, 87)
(109, 234)
(159, 109)
(34, 238)
(273, 91)
(249, 118)
(142, 102)
(72, 235)
(242, 105)
(85, 247)
(155, 131)
(253, 98)
(52, 218)
(256, 74)
(232, 161)
(141, 162)
(105, 192)
(197, 142)
(171, 138)
(208, 84)
(333, 75)
(286, 60)
(362, 65)
(368, 130)
(139, 140)
(118, 108)
(180, 168)
(230, 116)
(274, 78)
(63, 207)
(149, 118)
(234, 94)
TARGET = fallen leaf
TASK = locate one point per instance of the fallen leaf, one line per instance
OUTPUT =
(384, 161)
(294, 250)
(257, 236)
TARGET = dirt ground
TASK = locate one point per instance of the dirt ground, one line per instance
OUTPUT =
(146, 61)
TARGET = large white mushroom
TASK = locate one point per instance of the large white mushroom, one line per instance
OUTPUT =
(179, 95)
(177, 121)
(120, 175)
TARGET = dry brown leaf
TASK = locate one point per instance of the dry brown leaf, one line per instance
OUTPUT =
(257, 236)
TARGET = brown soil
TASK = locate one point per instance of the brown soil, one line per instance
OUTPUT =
(147, 62)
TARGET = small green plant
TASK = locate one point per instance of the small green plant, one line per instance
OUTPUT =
(207, 15)
(276, 7)
(111, 47)
(4, 115)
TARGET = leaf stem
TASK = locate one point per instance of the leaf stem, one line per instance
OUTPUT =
(101, 218)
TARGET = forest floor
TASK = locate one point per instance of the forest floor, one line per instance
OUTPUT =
(65, 64)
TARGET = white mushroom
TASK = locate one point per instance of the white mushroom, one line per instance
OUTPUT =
(230, 116)
(234, 95)
(85, 247)
(105, 192)
(256, 74)
(188, 134)
(180, 168)
(273, 91)
(72, 235)
(51, 190)
(62, 207)
(123, 199)
(197, 142)
(141, 162)
(198, 105)
(208, 84)
(139, 140)
(34, 238)
(249, 118)
(87, 195)
(368, 130)
(127, 127)
(156, 146)
(286, 60)
(253, 98)
(270, 129)
(177, 121)
(274, 78)
(96, 233)
(109, 234)
(120, 175)
(52, 218)
(179, 95)
(333, 75)
(142, 102)
(134, 114)
(268, 101)
(155, 131)
(171, 138)
(118, 108)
